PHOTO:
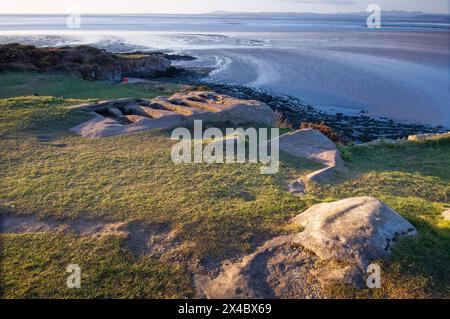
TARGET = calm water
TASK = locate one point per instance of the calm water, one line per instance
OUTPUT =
(401, 71)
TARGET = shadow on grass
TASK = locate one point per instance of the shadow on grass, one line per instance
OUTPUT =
(418, 268)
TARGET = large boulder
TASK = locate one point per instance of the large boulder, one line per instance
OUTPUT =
(222, 108)
(181, 109)
(101, 126)
(357, 229)
(313, 145)
(337, 244)
(116, 112)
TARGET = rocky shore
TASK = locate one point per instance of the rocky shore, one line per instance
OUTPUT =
(291, 112)
(86, 62)
(99, 65)
(358, 128)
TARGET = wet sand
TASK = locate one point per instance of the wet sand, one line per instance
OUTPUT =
(400, 73)
(402, 76)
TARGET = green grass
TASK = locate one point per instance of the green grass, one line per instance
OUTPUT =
(133, 177)
(34, 266)
(134, 56)
(59, 85)
(418, 170)
(38, 116)
(219, 211)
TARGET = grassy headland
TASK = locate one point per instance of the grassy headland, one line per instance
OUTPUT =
(217, 211)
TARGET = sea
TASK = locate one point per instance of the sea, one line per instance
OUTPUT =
(400, 71)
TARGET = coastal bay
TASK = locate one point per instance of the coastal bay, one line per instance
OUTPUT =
(399, 72)
(88, 177)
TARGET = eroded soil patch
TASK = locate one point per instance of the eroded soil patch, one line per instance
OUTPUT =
(140, 238)
(276, 270)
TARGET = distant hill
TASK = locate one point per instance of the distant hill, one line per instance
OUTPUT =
(332, 16)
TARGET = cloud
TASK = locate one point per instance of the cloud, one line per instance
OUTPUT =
(329, 2)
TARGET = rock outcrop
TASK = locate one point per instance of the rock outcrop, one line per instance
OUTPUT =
(356, 229)
(279, 269)
(313, 145)
(179, 110)
(446, 215)
(339, 241)
(84, 61)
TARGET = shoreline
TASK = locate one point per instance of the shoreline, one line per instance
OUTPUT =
(209, 229)
(291, 112)
(157, 66)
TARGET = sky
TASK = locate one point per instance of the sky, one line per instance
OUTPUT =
(204, 6)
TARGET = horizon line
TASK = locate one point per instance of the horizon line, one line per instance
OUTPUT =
(226, 13)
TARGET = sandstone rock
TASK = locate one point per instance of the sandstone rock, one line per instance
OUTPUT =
(155, 112)
(181, 109)
(339, 240)
(356, 229)
(100, 126)
(134, 118)
(130, 107)
(213, 107)
(313, 145)
(177, 106)
(124, 102)
(140, 111)
(116, 112)
(446, 214)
